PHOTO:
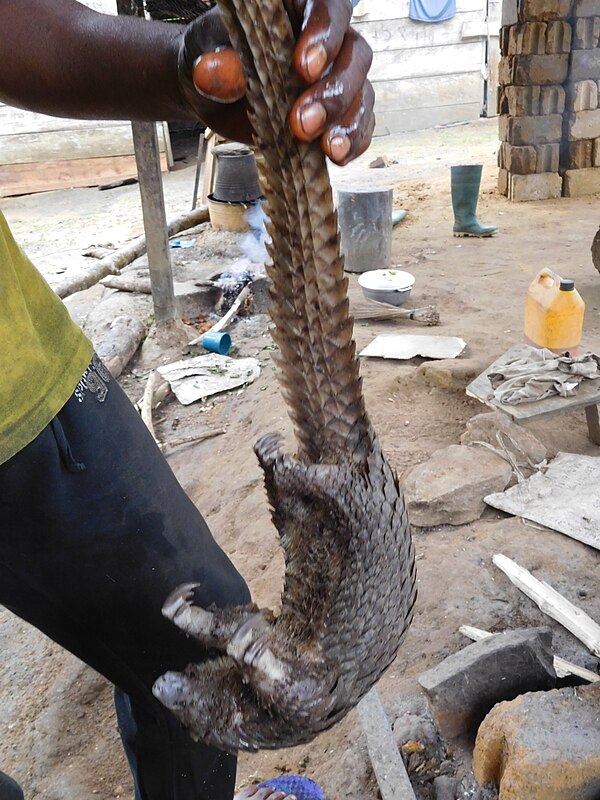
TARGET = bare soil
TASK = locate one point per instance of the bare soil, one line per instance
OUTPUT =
(59, 737)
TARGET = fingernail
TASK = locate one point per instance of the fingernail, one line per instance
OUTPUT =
(339, 147)
(315, 60)
(312, 118)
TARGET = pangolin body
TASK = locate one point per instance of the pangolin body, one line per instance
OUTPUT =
(350, 576)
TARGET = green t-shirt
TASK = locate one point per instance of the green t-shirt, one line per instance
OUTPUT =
(43, 353)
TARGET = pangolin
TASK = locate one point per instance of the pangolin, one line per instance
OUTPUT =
(349, 586)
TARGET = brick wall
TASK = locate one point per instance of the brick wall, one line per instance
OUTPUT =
(548, 99)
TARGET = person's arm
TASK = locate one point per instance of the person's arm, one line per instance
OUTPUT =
(61, 58)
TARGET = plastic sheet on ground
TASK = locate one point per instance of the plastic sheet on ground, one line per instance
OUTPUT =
(564, 497)
(195, 378)
(405, 346)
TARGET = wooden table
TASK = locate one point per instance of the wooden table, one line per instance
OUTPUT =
(587, 397)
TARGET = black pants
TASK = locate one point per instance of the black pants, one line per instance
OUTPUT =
(95, 531)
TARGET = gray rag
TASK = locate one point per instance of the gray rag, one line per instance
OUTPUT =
(540, 374)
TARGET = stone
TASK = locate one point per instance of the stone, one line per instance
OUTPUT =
(504, 39)
(547, 157)
(503, 182)
(504, 71)
(195, 301)
(528, 38)
(539, 69)
(542, 746)
(535, 130)
(582, 96)
(581, 182)
(380, 162)
(584, 125)
(542, 10)
(543, 186)
(498, 429)
(579, 154)
(444, 787)
(509, 13)
(501, 101)
(584, 64)
(466, 685)
(519, 160)
(552, 100)
(414, 723)
(468, 787)
(449, 488)
(585, 8)
(558, 37)
(595, 249)
(452, 373)
(523, 101)
(503, 127)
(586, 33)
(596, 153)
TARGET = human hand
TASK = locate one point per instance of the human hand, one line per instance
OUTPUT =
(331, 58)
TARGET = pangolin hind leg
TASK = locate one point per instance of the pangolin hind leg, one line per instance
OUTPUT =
(297, 683)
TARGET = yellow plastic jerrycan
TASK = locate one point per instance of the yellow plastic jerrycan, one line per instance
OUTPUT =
(554, 313)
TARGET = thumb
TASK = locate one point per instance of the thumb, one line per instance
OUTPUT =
(219, 76)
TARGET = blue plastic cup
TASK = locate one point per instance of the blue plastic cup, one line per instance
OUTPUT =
(217, 343)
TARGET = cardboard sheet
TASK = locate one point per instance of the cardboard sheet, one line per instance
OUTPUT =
(405, 346)
(565, 498)
(202, 376)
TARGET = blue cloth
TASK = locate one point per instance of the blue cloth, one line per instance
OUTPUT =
(431, 10)
(302, 788)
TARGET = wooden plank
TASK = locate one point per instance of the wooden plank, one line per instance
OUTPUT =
(47, 176)
(593, 423)
(427, 61)
(373, 10)
(493, 66)
(404, 34)
(17, 120)
(30, 148)
(588, 394)
(443, 90)
(388, 122)
(552, 603)
(389, 769)
(562, 667)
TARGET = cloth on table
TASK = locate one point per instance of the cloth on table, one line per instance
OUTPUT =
(540, 374)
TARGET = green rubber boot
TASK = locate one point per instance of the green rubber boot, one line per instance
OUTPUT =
(465, 181)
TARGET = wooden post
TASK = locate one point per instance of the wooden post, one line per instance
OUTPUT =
(147, 156)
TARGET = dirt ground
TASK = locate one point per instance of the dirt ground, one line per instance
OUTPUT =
(59, 737)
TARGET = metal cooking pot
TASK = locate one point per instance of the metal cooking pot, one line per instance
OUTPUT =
(236, 176)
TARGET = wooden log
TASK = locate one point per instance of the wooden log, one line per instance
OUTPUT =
(149, 400)
(552, 603)
(115, 262)
(389, 769)
(120, 343)
(562, 667)
(124, 283)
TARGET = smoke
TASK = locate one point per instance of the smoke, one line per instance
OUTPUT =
(252, 244)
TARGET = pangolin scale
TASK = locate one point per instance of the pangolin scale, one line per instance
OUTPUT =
(350, 580)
